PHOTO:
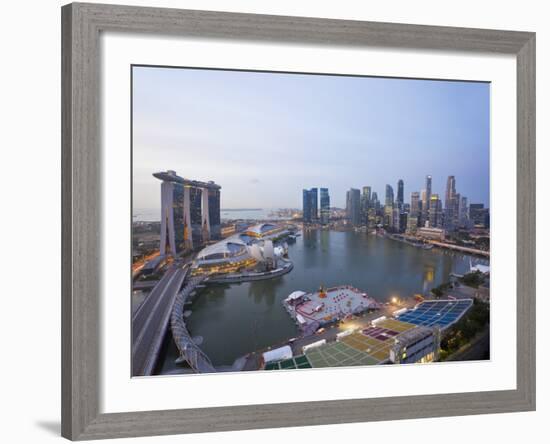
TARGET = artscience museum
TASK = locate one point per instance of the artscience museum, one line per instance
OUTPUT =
(254, 249)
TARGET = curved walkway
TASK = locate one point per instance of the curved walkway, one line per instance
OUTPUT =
(194, 356)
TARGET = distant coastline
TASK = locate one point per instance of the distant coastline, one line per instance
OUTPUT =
(241, 209)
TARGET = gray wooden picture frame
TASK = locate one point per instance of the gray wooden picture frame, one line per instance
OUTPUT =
(81, 174)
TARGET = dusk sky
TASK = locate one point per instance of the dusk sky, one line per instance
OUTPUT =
(264, 137)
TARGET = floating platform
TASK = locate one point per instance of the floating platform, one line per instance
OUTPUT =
(312, 310)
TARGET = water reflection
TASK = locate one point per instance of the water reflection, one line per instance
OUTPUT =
(237, 319)
(428, 277)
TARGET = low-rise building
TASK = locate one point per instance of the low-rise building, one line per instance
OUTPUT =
(431, 233)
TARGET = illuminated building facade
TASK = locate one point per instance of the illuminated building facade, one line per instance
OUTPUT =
(435, 212)
(418, 345)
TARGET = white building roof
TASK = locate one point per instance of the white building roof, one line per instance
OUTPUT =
(314, 345)
(485, 269)
(259, 229)
(295, 295)
(278, 354)
(227, 247)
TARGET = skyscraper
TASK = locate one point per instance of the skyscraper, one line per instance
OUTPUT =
(325, 206)
(450, 191)
(450, 203)
(353, 206)
(479, 215)
(463, 211)
(389, 196)
(426, 198)
(435, 212)
(306, 206)
(309, 206)
(400, 192)
(414, 213)
(415, 203)
(314, 205)
(365, 204)
(375, 201)
(367, 193)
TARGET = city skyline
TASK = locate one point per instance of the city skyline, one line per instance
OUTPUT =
(376, 132)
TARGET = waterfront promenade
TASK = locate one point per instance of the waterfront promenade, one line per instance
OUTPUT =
(467, 250)
(235, 278)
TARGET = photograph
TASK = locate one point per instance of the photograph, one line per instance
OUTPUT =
(303, 221)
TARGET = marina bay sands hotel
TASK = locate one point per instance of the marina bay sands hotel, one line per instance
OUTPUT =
(190, 212)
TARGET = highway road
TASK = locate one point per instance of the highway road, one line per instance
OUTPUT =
(150, 321)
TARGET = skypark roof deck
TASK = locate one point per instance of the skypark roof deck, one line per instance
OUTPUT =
(171, 176)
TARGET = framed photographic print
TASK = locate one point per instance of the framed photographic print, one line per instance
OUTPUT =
(278, 221)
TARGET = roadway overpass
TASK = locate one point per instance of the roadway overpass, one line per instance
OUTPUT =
(144, 285)
(150, 321)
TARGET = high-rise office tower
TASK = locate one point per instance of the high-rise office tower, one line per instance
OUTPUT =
(375, 202)
(365, 204)
(426, 199)
(314, 205)
(435, 212)
(306, 210)
(389, 196)
(456, 210)
(450, 191)
(415, 203)
(325, 206)
(403, 219)
(306, 206)
(367, 193)
(450, 203)
(353, 206)
(415, 211)
(396, 216)
(479, 215)
(463, 211)
(309, 205)
(400, 194)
